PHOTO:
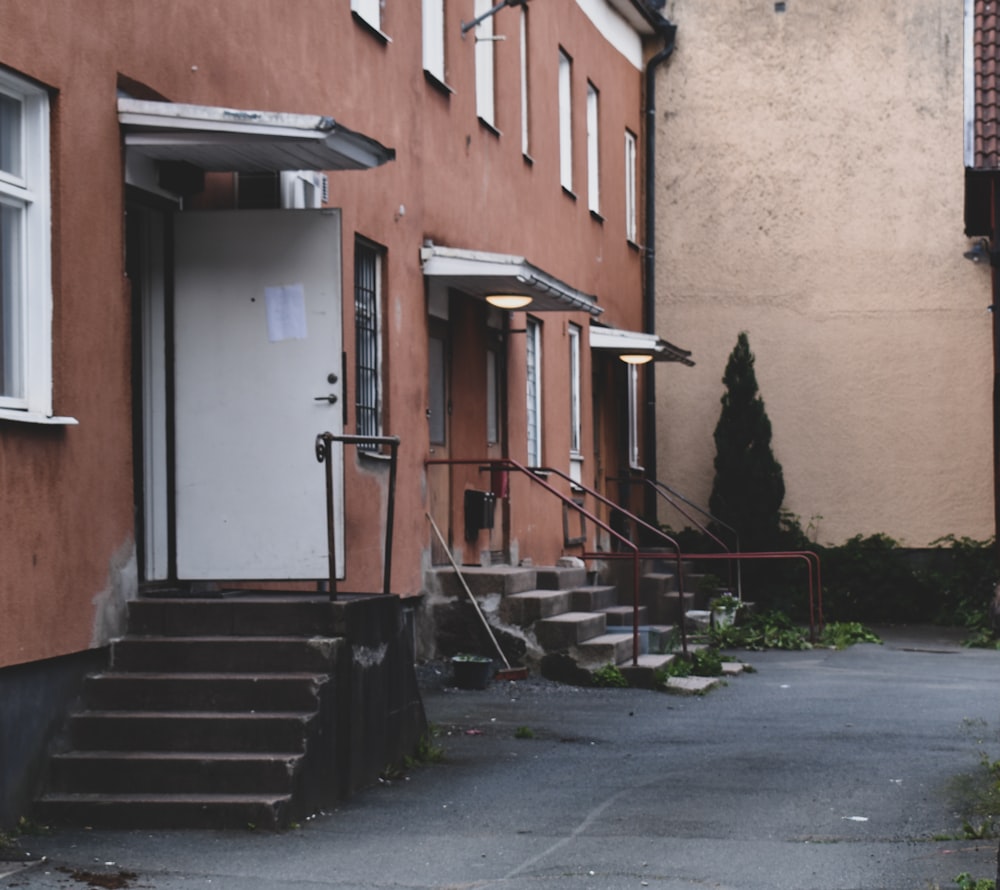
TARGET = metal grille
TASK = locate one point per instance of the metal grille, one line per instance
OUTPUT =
(368, 359)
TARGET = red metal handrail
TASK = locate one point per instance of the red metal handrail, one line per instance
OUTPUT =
(531, 473)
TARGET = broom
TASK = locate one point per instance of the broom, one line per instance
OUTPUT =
(507, 672)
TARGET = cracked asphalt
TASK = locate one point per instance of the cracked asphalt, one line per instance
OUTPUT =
(820, 770)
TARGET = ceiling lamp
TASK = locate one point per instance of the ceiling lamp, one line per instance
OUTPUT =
(508, 301)
(638, 358)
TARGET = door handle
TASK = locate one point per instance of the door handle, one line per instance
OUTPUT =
(332, 399)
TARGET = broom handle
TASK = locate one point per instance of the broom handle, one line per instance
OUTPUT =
(458, 572)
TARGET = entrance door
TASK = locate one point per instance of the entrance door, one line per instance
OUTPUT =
(257, 367)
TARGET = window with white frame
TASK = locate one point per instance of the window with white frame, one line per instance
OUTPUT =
(574, 389)
(525, 130)
(433, 36)
(25, 255)
(630, 201)
(369, 11)
(368, 339)
(565, 121)
(533, 347)
(485, 89)
(633, 416)
(593, 151)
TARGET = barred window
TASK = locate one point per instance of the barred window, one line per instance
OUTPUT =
(367, 339)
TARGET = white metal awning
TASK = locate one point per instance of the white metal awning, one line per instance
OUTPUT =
(234, 140)
(614, 341)
(482, 274)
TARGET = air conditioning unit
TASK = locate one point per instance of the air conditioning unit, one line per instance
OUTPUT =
(304, 189)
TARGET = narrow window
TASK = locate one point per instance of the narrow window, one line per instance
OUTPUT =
(492, 397)
(630, 202)
(574, 389)
(593, 151)
(367, 339)
(534, 391)
(369, 11)
(525, 132)
(633, 417)
(433, 33)
(485, 96)
(437, 389)
(25, 289)
(565, 121)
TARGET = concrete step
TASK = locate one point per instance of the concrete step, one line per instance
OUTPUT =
(117, 772)
(594, 598)
(225, 654)
(523, 609)
(643, 674)
(562, 631)
(560, 577)
(263, 811)
(137, 691)
(604, 649)
(625, 616)
(243, 615)
(483, 580)
(190, 731)
(665, 608)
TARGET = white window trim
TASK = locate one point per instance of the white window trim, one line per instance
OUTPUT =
(377, 255)
(31, 194)
(593, 150)
(565, 121)
(631, 214)
(485, 66)
(534, 399)
(575, 423)
(433, 38)
(525, 128)
(370, 12)
(633, 417)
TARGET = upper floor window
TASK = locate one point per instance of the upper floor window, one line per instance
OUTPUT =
(25, 255)
(433, 37)
(565, 121)
(630, 201)
(593, 151)
(485, 88)
(525, 132)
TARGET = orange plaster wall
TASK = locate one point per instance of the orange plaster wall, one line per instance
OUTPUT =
(67, 554)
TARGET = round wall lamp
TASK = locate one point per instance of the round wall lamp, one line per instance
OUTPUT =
(508, 301)
(635, 358)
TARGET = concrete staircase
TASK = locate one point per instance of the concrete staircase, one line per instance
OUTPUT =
(571, 623)
(213, 713)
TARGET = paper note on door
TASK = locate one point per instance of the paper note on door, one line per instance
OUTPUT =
(286, 312)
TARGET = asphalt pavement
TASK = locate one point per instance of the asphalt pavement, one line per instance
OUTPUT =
(819, 770)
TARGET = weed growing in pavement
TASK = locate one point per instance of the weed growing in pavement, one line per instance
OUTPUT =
(965, 881)
(610, 676)
(524, 732)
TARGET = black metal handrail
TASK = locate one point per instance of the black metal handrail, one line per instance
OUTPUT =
(323, 445)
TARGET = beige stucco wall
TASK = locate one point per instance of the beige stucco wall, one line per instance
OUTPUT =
(809, 191)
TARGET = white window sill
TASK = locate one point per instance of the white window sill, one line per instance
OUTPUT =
(34, 417)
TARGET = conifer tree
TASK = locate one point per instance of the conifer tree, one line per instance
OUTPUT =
(749, 486)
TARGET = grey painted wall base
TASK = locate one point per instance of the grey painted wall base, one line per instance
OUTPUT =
(34, 701)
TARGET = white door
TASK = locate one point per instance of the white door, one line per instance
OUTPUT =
(257, 367)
